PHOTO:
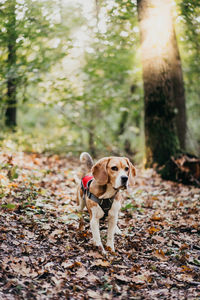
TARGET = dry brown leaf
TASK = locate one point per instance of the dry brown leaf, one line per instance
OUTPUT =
(95, 254)
(122, 277)
(92, 278)
(160, 255)
(185, 277)
(159, 238)
(94, 294)
(56, 232)
(71, 264)
(156, 216)
(135, 268)
(184, 246)
(153, 229)
(101, 263)
(139, 279)
(186, 268)
(81, 272)
(177, 244)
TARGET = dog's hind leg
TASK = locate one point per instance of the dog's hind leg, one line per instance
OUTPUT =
(80, 201)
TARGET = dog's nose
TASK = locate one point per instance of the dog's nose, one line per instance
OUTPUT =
(124, 179)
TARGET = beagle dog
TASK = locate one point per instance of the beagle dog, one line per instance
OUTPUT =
(99, 191)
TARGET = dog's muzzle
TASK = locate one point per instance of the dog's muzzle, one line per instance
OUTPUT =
(124, 180)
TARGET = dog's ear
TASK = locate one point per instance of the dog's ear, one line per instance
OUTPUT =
(132, 173)
(99, 171)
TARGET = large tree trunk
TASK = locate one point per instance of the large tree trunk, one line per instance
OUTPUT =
(179, 94)
(11, 109)
(163, 82)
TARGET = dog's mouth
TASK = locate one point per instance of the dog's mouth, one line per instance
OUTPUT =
(121, 187)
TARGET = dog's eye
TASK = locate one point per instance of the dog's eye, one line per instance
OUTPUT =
(114, 168)
(126, 169)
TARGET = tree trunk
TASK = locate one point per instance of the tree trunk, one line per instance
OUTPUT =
(92, 143)
(179, 94)
(163, 82)
(11, 109)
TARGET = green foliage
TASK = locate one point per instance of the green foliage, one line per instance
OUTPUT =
(78, 74)
(38, 44)
(189, 41)
(110, 103)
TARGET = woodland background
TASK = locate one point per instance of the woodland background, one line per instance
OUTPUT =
(72, 71)
(80, 75)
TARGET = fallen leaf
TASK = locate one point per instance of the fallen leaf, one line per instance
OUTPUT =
(186, 268)
(152, 230)
(95, 254)
(160, 255)
(185, 277)
(92, 278)
(81, 272)
(122, 277)
(71, 264)
(93, 294)
(101, 263)
(139, 279)
(156, 217)
(159, 238)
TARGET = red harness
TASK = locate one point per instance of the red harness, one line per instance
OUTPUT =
(86, 181)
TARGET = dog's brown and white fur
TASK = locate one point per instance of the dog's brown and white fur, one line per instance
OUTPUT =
(111, 174)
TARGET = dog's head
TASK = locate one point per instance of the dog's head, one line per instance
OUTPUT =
(118, 171)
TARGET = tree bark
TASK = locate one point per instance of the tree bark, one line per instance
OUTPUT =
(165, 120)
(11, 110)
(179, 94)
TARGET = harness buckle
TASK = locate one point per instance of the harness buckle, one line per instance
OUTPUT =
(101, 201)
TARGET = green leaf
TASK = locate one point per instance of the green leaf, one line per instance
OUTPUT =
(13, 174)
(129, 206)
(8, 206)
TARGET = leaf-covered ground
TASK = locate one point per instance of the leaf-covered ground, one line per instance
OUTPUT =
(46, 248)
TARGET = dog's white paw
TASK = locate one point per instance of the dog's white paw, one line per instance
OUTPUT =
(100, 248)
(110, 245)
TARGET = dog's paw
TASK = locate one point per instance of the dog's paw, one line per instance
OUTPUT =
(110, 247)
(118, 231)
(110, 250)
(100, 249)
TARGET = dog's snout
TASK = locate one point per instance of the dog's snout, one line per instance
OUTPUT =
(124, 179)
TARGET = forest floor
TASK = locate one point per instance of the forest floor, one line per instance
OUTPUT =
(46, 248)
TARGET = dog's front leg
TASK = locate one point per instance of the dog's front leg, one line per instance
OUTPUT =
(112, 223)
(97, 214)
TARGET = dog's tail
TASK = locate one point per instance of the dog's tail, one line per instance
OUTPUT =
(86, 162)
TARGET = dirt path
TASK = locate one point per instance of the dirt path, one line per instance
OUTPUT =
(46, 250)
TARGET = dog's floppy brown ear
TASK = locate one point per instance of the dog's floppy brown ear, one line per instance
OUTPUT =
(132, 173)
(99, 171)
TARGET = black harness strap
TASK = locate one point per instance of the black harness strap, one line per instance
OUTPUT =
(105, 204)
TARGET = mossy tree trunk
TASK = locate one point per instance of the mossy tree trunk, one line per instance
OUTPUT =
(11, 102)
(163, 82)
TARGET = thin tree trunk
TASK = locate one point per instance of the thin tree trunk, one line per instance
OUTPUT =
(10, 114)
(163, 82)
(92, 143)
